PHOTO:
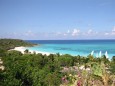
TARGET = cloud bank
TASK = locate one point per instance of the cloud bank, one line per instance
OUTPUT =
(69, 34)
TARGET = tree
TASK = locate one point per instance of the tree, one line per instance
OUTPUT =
(113, 59)
(26, 51)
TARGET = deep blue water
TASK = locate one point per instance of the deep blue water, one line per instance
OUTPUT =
(76, 47)
(71, 41)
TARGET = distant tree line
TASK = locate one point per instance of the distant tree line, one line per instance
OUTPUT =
(6, 44)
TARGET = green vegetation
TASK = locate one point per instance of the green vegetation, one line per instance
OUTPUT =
(55, 70)
(6, 44)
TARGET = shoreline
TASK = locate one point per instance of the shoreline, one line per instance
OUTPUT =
(22, 49)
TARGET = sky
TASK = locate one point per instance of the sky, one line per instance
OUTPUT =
(57, 19)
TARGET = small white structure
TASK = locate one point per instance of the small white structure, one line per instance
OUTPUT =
(92, 52)
(100, 54)
(106, 54)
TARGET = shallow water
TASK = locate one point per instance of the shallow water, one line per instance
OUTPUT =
(76, 47)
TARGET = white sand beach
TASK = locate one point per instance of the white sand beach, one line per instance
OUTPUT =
(22, 49)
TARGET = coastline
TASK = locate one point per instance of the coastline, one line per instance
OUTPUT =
(22, 49)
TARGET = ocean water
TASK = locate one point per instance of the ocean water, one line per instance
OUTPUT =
(76, 47)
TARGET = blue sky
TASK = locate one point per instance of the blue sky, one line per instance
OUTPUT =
(57, 19)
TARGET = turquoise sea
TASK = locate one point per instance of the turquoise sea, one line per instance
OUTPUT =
(76, 47)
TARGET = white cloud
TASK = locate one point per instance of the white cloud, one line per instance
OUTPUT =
(106, 33)
(68, 31)
(58, 33)
(69, 34)
(89, 31)
(75, 32)
(29, 33)
(112, 32)
(65, 34)
(14, 33)
(96, 32)
(113, 29)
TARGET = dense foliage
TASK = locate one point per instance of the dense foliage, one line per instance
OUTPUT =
(6, 44)
(41, 70)
(55, 70)
(28, 70)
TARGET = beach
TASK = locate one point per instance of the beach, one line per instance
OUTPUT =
(22, 49)
(97, 48)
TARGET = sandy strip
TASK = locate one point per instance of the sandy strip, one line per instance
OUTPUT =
(22, 49)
